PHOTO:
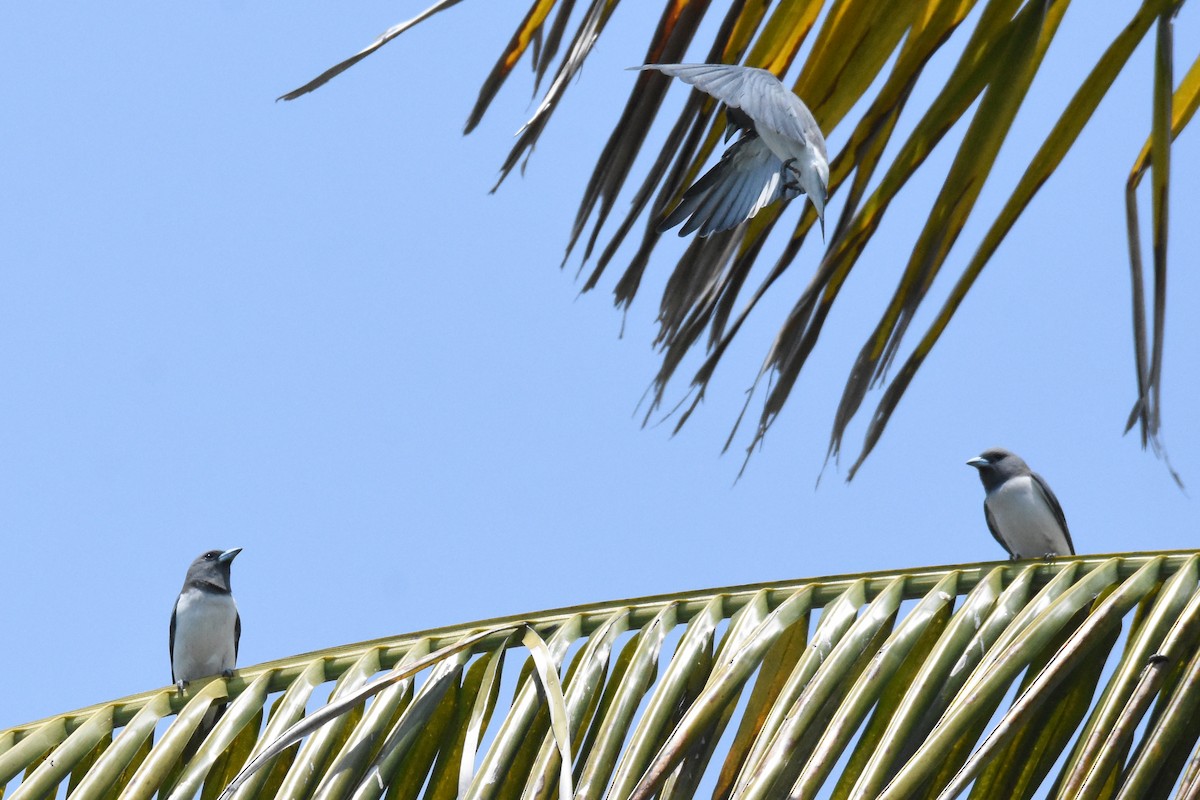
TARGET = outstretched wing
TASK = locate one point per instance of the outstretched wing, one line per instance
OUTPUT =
(743, 182)
(757, 92)
(1055, 507)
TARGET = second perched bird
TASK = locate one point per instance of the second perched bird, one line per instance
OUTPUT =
(780, 154)
(205, 630)
(1021, 510)
(205, 625)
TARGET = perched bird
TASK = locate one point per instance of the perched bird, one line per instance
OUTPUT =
(205, 631)
(780, 154)
(1021, 510)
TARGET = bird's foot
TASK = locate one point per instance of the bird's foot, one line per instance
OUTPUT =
(181, 685)
(1049, 556)
(789, 168)
(227, 673)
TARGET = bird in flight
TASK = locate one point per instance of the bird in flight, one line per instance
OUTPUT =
(779, 155)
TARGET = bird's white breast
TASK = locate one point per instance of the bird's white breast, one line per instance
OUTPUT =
(204, 635)
(1025, 520)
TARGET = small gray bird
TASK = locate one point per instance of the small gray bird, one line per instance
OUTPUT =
(1022, 512)
(205, 625)
(780, 154)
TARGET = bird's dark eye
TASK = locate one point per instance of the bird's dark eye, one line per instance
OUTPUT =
(209, 556)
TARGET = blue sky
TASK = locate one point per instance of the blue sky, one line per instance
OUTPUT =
(307, 329)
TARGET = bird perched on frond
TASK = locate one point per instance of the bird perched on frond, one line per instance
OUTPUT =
(206, 629)
(779, 155)
(1021, 510)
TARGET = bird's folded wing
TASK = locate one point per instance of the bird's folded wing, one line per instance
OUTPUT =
(744, 181)
(1055, 507)
(995, 529)
(171, 642)
(755, 91)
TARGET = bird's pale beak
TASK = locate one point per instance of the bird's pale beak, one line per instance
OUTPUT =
(228, 555)
(979, 462)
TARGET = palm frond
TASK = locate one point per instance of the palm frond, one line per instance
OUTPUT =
(1077, 677)
(708, 293)
(1171, 115)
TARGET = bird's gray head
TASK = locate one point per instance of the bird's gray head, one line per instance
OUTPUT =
(211, 569)
(998, 465)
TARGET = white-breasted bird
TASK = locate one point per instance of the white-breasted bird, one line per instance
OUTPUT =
(205, 624)
(1021, 510)
(780, 154)
(206, 629)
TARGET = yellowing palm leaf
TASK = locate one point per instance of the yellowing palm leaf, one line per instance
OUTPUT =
(861, 44)
(1073, 678)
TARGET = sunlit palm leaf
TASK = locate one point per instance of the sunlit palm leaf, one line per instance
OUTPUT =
(1004, 680)
(856, 42)
(1171, 114)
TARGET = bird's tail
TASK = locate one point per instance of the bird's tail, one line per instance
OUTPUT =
(203, 730)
